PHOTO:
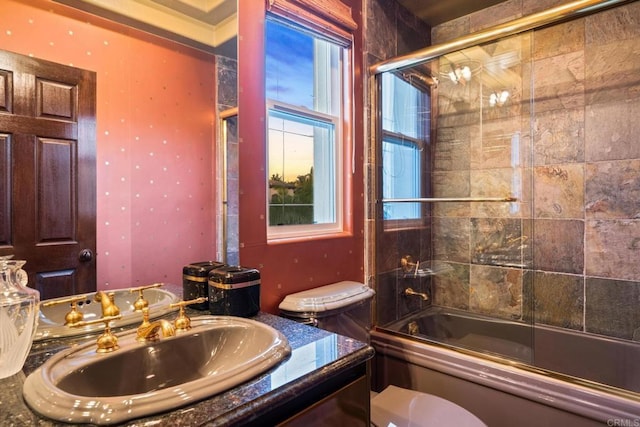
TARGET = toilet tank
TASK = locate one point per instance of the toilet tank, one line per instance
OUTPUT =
(343, 308)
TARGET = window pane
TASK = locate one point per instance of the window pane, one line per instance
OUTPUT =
(401, 178)
(301, 152)
(289, 65)
(401, 107)
(302, 70)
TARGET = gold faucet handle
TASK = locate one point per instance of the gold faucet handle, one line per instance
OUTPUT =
(106, 342)
(74, 315)
(183, 323)
(141, 303)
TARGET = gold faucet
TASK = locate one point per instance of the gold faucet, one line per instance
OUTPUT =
(141, 303)
(149, 331)
(107, 300)
(410, 291)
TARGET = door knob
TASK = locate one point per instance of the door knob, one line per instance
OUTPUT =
(85, 255)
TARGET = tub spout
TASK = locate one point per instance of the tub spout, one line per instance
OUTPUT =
(410, 291)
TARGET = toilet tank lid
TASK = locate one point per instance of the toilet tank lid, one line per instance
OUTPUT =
(328, 297)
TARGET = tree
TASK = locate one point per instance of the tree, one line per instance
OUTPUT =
(303, 191)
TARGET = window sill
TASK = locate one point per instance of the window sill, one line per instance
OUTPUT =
(299, 239)
(400, 225)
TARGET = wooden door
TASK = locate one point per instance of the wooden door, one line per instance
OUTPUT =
(48, 172)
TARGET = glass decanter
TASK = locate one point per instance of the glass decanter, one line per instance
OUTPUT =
(18, 316)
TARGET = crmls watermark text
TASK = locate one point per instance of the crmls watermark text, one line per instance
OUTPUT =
(623, 422)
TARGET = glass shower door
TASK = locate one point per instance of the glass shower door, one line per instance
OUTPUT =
(453, 250)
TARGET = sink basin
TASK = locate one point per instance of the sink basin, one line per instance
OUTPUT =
(51, 319)
(79, 385)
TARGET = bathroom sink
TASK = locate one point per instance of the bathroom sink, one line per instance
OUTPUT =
(80, 385)
(52, 318)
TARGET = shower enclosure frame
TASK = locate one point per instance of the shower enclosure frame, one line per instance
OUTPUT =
(555, 15)
(567, 12)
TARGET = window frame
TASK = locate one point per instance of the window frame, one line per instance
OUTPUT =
(343, 145)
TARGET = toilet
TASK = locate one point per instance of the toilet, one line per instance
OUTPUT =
(345, 308)
(396, 406)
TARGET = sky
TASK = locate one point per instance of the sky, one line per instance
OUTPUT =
(289, 78)
(289, 63)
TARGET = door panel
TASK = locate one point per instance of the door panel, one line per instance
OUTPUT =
(55, 283)
(5, 190)
(47, 168)
(6, 90)
(56, 100)
(56, 191)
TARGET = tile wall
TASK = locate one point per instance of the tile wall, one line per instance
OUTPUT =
(227, 97)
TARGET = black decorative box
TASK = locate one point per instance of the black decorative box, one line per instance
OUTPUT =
(234, 291)
(194, 281)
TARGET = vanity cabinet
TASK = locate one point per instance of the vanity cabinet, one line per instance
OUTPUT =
(348, 406)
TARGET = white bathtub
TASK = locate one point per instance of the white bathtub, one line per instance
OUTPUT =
(509, 392)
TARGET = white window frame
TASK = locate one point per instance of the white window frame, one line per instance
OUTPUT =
(342, 122)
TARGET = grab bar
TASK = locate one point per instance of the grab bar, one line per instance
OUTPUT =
(508, 199)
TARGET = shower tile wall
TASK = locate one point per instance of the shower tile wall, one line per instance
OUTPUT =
(227, 75)
(583, 226)
(481, 151)
(390, 30)
(227, 96)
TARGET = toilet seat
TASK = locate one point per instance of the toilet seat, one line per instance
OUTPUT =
(399, 407)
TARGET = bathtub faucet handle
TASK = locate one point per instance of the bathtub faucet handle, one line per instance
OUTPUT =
(410, 291)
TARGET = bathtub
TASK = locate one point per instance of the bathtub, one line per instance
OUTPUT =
(515, 380)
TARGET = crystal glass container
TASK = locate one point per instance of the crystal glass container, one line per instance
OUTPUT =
(18, 316)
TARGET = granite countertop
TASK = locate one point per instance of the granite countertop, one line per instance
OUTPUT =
(316, 355)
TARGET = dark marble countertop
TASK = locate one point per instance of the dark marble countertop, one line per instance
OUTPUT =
(316, 355)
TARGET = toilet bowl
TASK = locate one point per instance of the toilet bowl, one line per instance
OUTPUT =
(399, 407)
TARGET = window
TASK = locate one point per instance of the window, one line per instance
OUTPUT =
(305, 87)
(405, 124)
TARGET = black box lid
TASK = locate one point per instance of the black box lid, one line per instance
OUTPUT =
(201, 269)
